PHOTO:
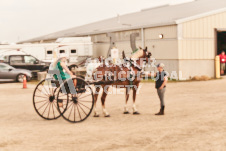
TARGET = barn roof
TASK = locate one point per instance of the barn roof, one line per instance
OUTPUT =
(153, 17)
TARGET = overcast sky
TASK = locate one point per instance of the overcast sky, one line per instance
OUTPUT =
(25, 19)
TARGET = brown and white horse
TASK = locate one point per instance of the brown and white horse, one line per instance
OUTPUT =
(121, 77)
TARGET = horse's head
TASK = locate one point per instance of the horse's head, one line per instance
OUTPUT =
(143, 53)
(147, 54)
(141, 56)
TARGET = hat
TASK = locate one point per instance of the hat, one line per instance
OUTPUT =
(63, 55)
(161, 65)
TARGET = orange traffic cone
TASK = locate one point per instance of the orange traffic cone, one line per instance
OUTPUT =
(24, 82)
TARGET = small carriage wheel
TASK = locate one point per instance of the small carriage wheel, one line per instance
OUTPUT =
(80, 102)
(44, 100)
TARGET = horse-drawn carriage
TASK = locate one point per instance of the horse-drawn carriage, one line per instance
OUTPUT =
(54, 98)
(76, 106)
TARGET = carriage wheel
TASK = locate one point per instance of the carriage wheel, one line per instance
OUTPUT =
(79, 105)
(44, 100)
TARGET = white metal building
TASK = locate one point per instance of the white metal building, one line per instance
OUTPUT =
(192, 35)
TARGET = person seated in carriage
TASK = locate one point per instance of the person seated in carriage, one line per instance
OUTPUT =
(60, 64)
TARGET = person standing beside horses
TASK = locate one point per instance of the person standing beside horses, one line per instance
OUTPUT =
(161, 78)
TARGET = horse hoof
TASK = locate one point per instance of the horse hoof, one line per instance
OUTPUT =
(126, 112)
(96, 115)
(107, 116)
(136, 113)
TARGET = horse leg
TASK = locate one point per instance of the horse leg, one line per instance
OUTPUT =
(134, 99)
(126, 111)
(103, 98)
(96, 114)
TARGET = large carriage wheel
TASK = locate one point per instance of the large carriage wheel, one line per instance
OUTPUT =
(80, 102)
(44, 99)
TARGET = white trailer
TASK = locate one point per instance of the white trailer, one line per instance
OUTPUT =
(77, 48)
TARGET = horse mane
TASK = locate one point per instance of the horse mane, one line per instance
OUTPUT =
(137, 54)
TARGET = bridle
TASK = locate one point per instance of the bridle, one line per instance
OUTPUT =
(147, 55)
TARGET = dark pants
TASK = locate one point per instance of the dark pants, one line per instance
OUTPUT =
(161, 93)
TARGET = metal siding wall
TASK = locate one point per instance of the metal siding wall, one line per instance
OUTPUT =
(196, 49)
(101, 42)
(166, 48)
(169, 32)
(171, 66)
(125, 45)
(119, 36)
(163, 49)
(191, 68)
(125, 35)
(100, 49)
(100, 38)
(202, 28)
(197, 41)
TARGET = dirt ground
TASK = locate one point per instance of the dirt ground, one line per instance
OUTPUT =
(195, 120)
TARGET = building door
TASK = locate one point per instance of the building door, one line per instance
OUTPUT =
(221, 41)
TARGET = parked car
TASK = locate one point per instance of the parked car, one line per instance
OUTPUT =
(9, 73)
(28, 62)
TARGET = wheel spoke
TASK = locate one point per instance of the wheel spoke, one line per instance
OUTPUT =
(79, 112)
(86, 101)
(70, 112)
(53, 110)
(44, 88)
(74, 113)
(69, 106)
(49, 109)
(41, 92)
(55, 105)
(83, 105)
(42, 105)
(79, 103)
(40, 96)
(40, 101)
(79, 95)
(85, 96)
(50, 87)
(82, 109)
(45, 108)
